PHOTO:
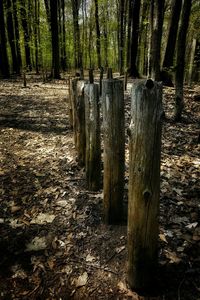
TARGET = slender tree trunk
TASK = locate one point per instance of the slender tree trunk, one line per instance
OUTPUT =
(11, 37)
(64, 62)
(172, 35)
(24, 22)
(142, 54)
(156, 38)
(55, 39)
(98, 41)
(121, 36)
(180, 59)
(130, 11)
(132, 68)
(36, 28)
(77, 44)
(17, 38)
(4, 65)
(196, 72)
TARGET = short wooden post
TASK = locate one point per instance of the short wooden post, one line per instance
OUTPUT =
(125, 80)
(92, 127)
(100, 81)
(144, 184)
(24, 79)
(114, 148)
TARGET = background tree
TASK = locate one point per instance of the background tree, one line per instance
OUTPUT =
(180, 58)
(11, 37)
(24, 22)
(4, 65)
(157, 26)
(134, 14)
(172, 35)
(55, 39)
(98, 37)
(77, 44)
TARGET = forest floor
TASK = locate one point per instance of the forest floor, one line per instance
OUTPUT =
(53, 242)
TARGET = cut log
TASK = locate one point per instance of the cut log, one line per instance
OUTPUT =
(144, 184)
(92, 128)
(114, 149)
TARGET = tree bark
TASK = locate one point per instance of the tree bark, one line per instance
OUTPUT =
(156, 38)
(172, 35)
(77, 44)
(24, 21)
(180, 59)
(55, 39)
(17, 39)
(114, 149)
(11, 37)
(132, 68)
(144, 184)
(4, 64)
(98, 37)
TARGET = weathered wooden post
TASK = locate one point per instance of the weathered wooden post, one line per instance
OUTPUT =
(73, 107)
(92, 128)
(125, 80)
(144, 184)
(114, 148)
(70, 103)
(80, 122)
(100, 81)
(24, 79)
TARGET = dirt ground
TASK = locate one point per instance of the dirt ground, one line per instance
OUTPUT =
(53, 242)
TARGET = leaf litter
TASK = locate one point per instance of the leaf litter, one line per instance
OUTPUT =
(53, 242)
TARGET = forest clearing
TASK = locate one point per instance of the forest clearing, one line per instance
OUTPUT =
(99, 149)
(54, 243)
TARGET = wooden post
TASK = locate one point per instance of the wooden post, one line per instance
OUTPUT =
(73, 108)
(114, 149)
(24, 79)
(80, 122)
(144, 184)
(92, 127)
(125, 80)
(70, 102)
(100, 81)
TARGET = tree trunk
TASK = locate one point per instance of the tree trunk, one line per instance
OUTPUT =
(11, 37)
(132, 68)
(114, 149)
(77, 45)
(191, 60)
(55, 39)
(172, 35)
(98, 38)
(4, 65)
(36, 35)
(156, 38)
(17, 38)
(24, 21)
(121, 35)
(144, 185)
(180, 59)
(64, 58)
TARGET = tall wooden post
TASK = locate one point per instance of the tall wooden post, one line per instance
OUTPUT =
(80, 134)
(73, 98)
(114, 148)
(92, 128)
(70, 103)
(144, 184)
